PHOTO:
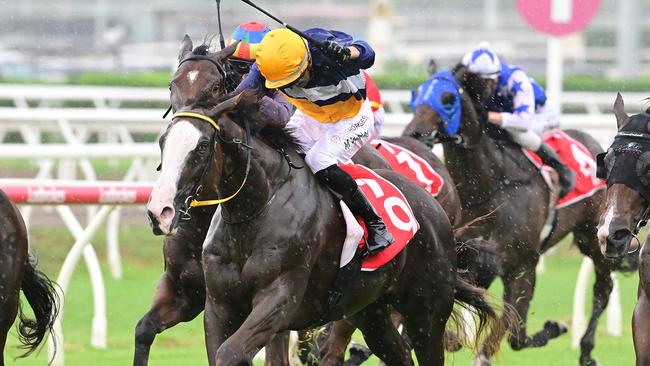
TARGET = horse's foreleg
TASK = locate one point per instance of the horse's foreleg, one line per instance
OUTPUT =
(220, 321)
(277, 351)
(8, 309)
(381, 335)
(170, 306)
(519, 288)
(641, 328)
(268, 316)
(602, 289)
(332, 351)
(641, 316)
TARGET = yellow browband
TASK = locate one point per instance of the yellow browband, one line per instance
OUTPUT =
(214, 124)
(198, 116)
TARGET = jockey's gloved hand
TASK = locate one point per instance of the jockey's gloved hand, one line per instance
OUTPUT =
(336, 51)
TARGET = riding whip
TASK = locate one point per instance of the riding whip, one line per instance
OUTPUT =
(222, 42)
(289, 27)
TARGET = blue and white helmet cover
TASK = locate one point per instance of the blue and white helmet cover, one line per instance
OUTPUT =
(430, 94)
(483, 61)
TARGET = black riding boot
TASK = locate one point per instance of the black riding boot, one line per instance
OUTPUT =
(567, 176)
(343, 184)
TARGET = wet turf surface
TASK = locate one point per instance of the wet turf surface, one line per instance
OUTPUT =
(129, 298)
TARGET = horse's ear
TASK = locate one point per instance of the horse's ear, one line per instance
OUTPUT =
(227, 52)
(186, 46)
(246, 97)
(619, 111)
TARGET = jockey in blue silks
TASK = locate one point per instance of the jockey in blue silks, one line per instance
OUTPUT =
(518, 105)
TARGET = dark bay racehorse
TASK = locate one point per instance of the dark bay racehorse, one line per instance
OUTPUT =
(180, 292)
(272, 255)
(17, 272)
(626, 168)
(494, 176)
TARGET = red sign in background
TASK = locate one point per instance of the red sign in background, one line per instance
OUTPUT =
(540, 15)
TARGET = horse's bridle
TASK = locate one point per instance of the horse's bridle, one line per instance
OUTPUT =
(636, 184)
(191, 201)
(230, 82)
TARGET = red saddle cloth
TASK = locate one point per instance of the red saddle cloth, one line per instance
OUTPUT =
(576, 156)
(392, 207)
(410, 165)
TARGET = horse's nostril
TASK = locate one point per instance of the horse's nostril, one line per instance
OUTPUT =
(167, 213)
(620, 235)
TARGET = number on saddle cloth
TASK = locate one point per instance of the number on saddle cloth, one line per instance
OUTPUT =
(391, 205)
(411, 166)
(579, 159)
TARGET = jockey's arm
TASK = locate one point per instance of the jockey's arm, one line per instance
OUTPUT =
(276, 109)
(521, 117)
(254, 80)
(361, 53)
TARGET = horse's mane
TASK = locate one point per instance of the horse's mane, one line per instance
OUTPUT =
(270, 133)
(278, 137)
(204, 49)
(201, 50)
(473, 85)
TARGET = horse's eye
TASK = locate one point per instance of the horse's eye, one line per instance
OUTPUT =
(202, 148)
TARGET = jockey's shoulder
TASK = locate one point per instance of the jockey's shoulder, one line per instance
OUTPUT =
(321, 34)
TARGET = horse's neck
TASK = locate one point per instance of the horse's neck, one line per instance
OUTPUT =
(475, 171)
(267, 171)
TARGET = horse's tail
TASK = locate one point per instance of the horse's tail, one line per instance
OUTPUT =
(42, 297)
(490, 328)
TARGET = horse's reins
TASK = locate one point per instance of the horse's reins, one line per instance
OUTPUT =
(191, 201)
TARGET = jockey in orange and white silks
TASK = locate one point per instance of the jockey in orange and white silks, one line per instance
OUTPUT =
(518, 105)
(333, 119)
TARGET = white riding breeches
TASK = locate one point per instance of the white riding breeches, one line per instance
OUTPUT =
(325, 144)
(546, 119)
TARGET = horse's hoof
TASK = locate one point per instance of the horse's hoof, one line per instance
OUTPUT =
(555, 329)
(358, 354)
(589, 362)
(453, 346)
(481, 360)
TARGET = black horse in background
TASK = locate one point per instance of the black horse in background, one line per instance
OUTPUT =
(495, 178)
(18, 272)
(626, 168)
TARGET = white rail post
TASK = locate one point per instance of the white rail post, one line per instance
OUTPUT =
(65, 275)
(112, 244)
(578, 321)
(614, 312)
